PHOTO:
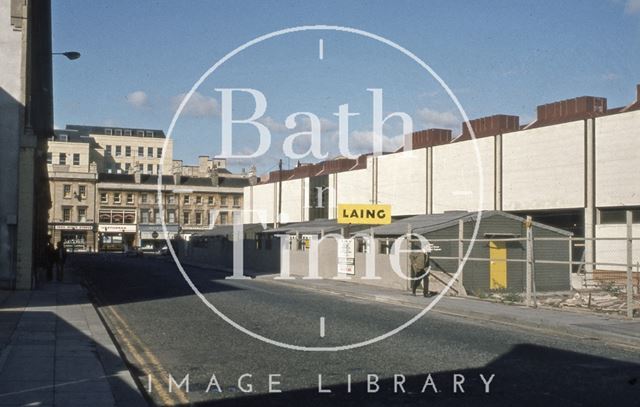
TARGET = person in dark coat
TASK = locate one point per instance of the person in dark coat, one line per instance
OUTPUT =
(51, 259)
(61, 258)
(420, 271)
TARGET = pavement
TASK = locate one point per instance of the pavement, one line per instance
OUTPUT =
(55, 351)
(610, 328)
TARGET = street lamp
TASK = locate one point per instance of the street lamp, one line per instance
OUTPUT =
(71, 55)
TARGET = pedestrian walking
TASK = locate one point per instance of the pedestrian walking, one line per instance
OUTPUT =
(50, 260)
(420, 271)
(61, 258)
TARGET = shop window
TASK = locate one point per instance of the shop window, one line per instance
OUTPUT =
(105, 217)
(129, 217)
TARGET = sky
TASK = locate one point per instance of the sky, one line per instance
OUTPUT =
(139, 59)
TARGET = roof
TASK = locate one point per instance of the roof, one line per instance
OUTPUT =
(317, 226)
(429, 223)
(147, 179)
(102, 130)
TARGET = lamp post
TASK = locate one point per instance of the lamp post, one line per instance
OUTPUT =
(71, 55)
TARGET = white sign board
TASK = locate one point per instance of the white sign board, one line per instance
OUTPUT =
(346, 256)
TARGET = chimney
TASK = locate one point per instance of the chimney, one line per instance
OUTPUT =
(215, 177)
(203, 165)
(253, 178)
(430, 138)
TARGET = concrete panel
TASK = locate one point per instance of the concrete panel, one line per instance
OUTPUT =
(618, 159)
(615, 251)
(457, 176)
(402, 181)
(264, 196)
(354, 186)
(292, 200)
(544, 168)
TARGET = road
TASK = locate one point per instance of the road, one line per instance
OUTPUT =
(164, 329)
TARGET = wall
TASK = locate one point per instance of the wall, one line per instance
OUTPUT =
(293, 199)
(456, 175)
(615, 251)
(354, 186)
(402, 182)
(618, 159)
(544, 168)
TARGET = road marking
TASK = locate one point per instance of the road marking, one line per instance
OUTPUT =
(149, 365)
(322, 327)
(321, 49)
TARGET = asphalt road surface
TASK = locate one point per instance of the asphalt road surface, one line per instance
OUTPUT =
(164, 329)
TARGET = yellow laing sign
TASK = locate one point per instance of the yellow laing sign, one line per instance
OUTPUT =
(358, 214)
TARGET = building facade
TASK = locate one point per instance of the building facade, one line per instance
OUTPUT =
(106, 198)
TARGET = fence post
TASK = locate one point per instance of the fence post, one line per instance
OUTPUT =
(529, 260)
(460, 253)
(629, 263)
(571, 262)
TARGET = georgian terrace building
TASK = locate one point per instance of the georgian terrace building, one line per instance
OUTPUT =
(104, 196)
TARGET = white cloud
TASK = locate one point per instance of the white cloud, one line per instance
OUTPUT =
(632, 7)
(610, 76)
(198, 105)
(273, 125)
(303, 124)
(138, 99)
(362, 141)
(433, 119)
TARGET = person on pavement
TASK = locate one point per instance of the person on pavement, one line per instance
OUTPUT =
(61, 258)
(420, 271)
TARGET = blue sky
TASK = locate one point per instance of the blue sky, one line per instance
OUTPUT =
(497, 56)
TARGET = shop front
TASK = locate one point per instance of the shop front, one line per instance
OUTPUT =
(152, 236)
(112, 238)
(74, 237)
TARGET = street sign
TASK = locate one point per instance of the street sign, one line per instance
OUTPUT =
(364, 214)
(346, 256)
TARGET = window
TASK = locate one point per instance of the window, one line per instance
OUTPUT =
(171, 199)
(107, 150)
(236, 201)
(140, 133)
(198, 218)
(108, 132)
(117, 132)
(118, 151)
(140, 151)
(618, 216)
(127, 151)
(129, 217)
(104, 198)
(199, 199)
(186, 199)
(223, 200)
(49, 158)
(150, 152)
(76, 159)
(62, 159)
(127, 167)
(143, 198)
(185, 218)
(211, 200)
(129, 199)
(144, 216)
(159, 152)
(141, 167)
(385, 246)
(63, 137)
(171, 216)
(82, 214)
(149, 168)
(66, 190)
(116, 198)
(149, 133)
(156, 216)
(127, 132)
(223, 218)
(82, 191)
(66, 214)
